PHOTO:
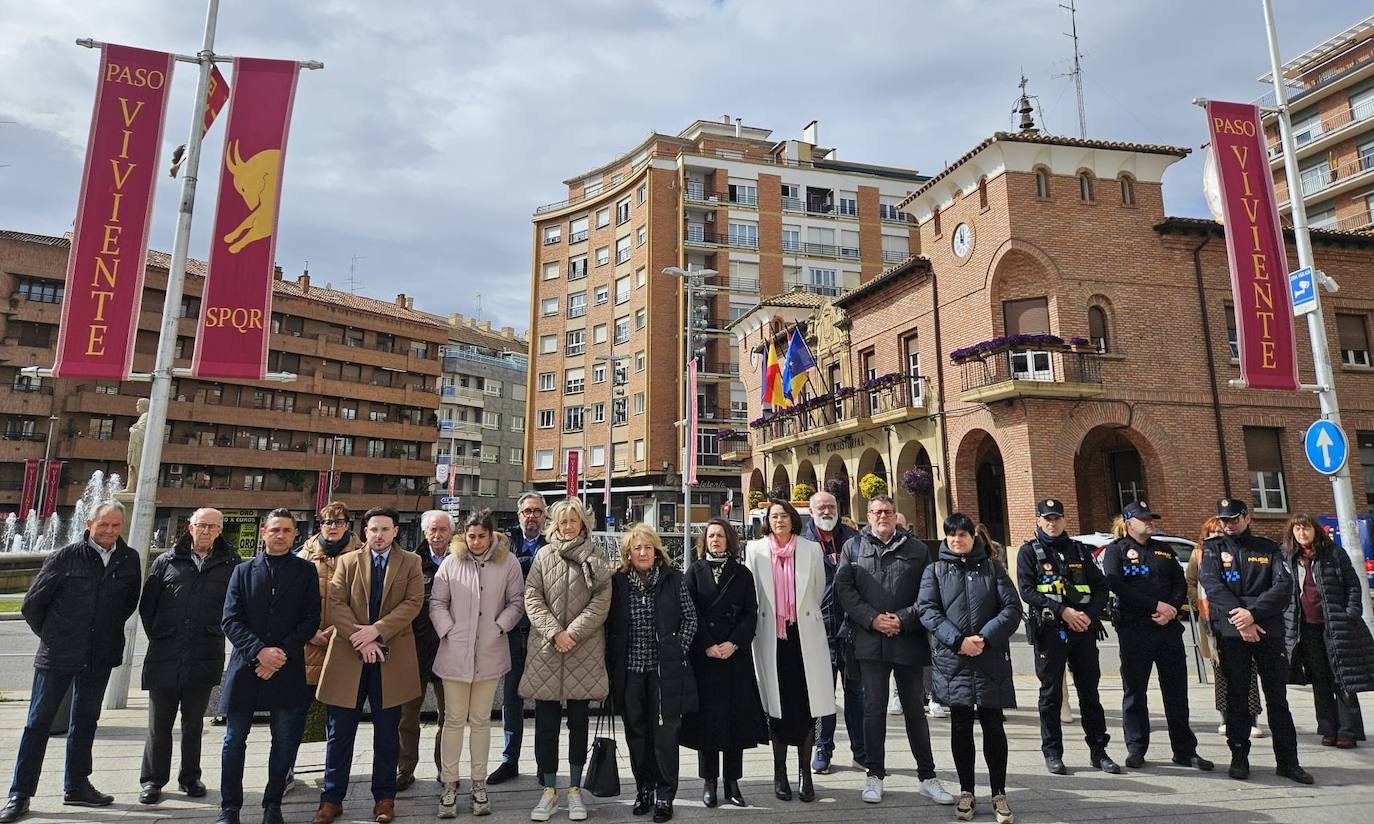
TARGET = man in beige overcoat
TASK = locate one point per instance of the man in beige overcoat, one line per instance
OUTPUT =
(373, 597)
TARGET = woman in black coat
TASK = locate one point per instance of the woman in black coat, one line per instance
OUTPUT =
(970, 608)
(1328, 644)
(730, 718)
(648, 634)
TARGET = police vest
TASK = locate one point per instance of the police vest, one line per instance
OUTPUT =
(1056, 586)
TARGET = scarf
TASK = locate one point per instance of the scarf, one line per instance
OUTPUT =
(1061, 542)
(784, 582)
(1307, 553)
(333, 548)
(575, 552)
(828, 545)
(716, 563)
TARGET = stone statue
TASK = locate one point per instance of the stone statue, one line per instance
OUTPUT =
(136, 435)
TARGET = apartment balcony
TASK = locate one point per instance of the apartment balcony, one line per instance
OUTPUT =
(1031, 374)
(824, 289)
(463, 464)
(822, 250)
(506, 360)
(696, 192)
(734, 448)
(1313, 139)
(460, 394)
(21, 447)
(1340, 75)
(460, 429)
(1327, 181)
(695, 235)
(890, 400)
(26, 402)
(895, 257)
(719, 370)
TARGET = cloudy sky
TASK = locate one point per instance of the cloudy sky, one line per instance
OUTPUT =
(437, 127)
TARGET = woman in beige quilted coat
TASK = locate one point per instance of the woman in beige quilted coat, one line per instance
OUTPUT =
(567, 598)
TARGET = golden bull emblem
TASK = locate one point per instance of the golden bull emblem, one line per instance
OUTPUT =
(255, 179)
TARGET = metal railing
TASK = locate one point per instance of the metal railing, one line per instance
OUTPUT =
(719, 368)
(1327, 125)
(895, 257)
(1063, 367)
(510, 360)
(905, 393)
(692, 234)
(578, 237)
(741, 199)
(825, 290)
(1323, 178)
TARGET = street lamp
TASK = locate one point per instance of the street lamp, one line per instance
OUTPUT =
(583, 460)
(693, 281)
(617, 391)
(43, 478)
(329, 490)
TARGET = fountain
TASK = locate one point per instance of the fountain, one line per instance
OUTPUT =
(39, 536)
(11, 528)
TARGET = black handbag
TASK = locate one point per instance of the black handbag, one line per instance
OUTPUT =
(603, 772)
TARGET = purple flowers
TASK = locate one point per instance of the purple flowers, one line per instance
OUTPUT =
(1002, 344)
(918, 481)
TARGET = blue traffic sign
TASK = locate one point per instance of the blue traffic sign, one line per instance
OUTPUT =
(448, 501)
(1302, 289)
(1326, 447)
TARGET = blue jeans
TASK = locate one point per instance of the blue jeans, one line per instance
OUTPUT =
(49, 687)
(853, 711)
(512, 705)
(341, 727)
(288, 725)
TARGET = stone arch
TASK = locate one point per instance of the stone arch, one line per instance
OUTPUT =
(1114, 465)
(919, 510)
(980, 482)
(1015, 249)
(782, 482)
(870, 461)
(806, 474)
(756, 481)
(835, 469)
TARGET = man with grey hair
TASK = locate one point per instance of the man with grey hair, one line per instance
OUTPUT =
(525, 540)
(181, 610)
(77, 606)
(437, 527)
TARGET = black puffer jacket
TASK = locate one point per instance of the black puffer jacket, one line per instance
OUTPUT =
(1349, 645)
(963, 595)
(181, 610)
(77, 606)
(876, 577)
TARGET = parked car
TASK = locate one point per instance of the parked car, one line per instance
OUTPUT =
(1182, 547)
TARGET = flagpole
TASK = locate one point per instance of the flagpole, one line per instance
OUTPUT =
(150, 461)
(1341, 488)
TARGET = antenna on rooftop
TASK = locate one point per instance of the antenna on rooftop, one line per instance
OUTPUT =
(477, 315)
(1077, 72)
(353, 283)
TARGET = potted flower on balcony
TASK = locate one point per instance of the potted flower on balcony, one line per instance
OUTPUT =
(918, 481)
(1005, 343)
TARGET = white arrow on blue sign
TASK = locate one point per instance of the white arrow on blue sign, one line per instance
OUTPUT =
(1303, 290)
(1326, 446)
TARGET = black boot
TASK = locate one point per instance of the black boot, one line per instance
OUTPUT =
(708, 793)
(805, 791)
(732, 793)
(644, 801)
(781, 788)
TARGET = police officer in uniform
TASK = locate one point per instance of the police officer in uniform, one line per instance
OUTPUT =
(1150, 589)
(1249, 589)
(1065, 594)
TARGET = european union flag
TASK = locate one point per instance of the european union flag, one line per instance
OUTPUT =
(795, 365)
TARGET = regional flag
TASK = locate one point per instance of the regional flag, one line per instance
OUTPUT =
(795, 365)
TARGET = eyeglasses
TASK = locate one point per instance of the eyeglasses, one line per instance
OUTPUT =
(206, 526)
(882, 513)
(334, 522)
(531, 512)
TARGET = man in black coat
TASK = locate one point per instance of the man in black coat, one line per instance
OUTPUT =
(181, 609)
(437, 527)
(1150, 590)
(1248, 588)
(77, 606)
(1065, 596)
(271, 611)
(832, 534)
(877, 585)
(525, 541)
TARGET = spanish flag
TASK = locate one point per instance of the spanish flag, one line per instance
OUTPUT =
(772, 380)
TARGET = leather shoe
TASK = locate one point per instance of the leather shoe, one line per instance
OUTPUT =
(404, 780)
(149, 793)
(1345, 743)
(1105, 763)
(1134, 760)
(1328, 740)
(1296, 773)
(384, 811)
(663, 811)
(1197, 761)
(84, 795)
(644, 802)
(195, 788)
(708, 793)
(505, 772)
(806, 791)
(1055, 765)
(327, 812)
(732, 794)
(781, 789)
(16, 808)
(271, 814)
(1240, 768)
(232, 817)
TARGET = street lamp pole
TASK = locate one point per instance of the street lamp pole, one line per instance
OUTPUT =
(692, 281)
(43, 477)
(1341, 488)
(617, 390)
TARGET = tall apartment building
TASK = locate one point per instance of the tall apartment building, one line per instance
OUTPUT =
(1331, 94)
(768, 215)
(482, 417)
(364, 400)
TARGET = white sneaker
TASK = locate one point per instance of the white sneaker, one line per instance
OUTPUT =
(1257, 731)
(1002, 810)
(1221, 729)
(932, 788)
(873, 790)
(480, 804)
(967, 805)
(547, 806)
(937, 710)
(448, 801)
(894, 707)
(577, 811)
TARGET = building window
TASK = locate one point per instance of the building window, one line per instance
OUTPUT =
(577, 305)
(599, 412)
(913, 366)
(1232, 343)
(546, 381)
(47, 291)
(599, 373)
(1085, 187)
(33, 334)
(1264, 457)
(641, 318)
(1042, 183)
(622, 212)
(618, 416)
(577, 230)
(599, 333)
(547, 307)
(545, 420)
(640, 275)
(623, 250)
(253, 481)
(598, 456)
(572, 419)
(553, 234)
(982, 193)
(641, 235)
(847, 204)
(548, 344)
(601, 295)
(639, 403)
(1127, 191)
(642, 194)
(577, 267)
(935, 221)
(744, 235)
(639, 450)
(1097, 328)
(543, 459)
(573, 380)
(603, 218)
(1354, 339)
(603, 255)
(887, 210)
(491, 420)
(516, 455)
(517, 423)
(577, 342)
(639, 361)
(622, 329)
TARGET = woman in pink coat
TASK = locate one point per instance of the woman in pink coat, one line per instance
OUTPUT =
(478, 597)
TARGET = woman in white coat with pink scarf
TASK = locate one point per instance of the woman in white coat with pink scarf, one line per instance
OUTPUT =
(791, 653)
(478, 597)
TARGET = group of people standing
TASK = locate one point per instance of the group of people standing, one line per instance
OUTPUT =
(741, 648)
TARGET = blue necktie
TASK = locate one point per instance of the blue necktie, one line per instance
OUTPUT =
(374, 602)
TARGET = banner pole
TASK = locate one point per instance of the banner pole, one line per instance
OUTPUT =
(1341, 489)
(150, 461)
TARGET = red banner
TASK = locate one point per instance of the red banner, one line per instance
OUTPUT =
(1254, 244)
(95, 338)
(573, 457)
(50, 487)
(322, 490)
(231, 338)
(26, 498)
(215, 97)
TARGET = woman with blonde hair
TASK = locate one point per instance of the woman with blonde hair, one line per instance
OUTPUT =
(478, 597)
(648, 637)
(567, 598)
(1197, 601)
